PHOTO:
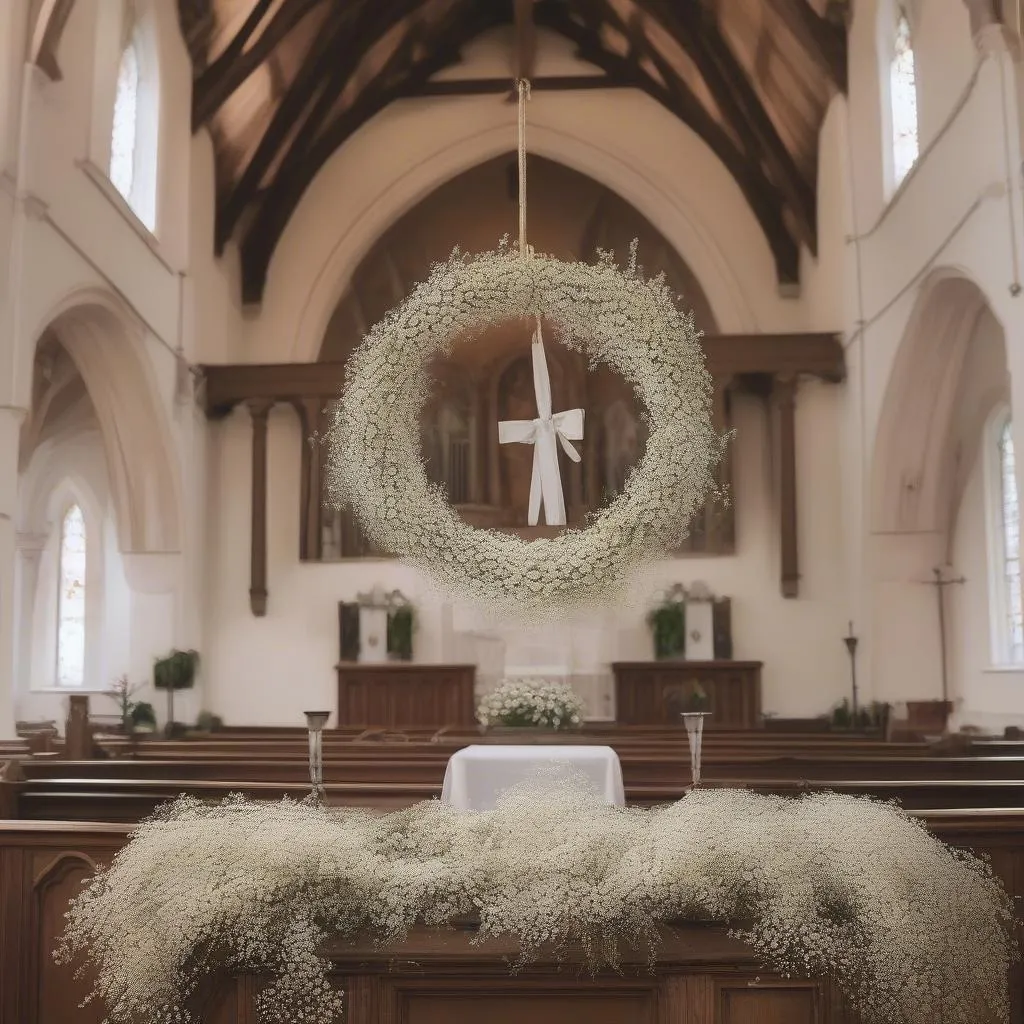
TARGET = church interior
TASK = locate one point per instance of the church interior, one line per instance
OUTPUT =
(213, 213)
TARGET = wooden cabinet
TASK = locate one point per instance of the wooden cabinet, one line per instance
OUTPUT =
(404, 695)
(654, 692)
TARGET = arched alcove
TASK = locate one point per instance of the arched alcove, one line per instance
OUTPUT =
(105, 345)
(572, 216)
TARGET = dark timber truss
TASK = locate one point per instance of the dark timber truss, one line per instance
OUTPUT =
(283, 84)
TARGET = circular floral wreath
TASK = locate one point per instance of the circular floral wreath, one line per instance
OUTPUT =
(616, 317)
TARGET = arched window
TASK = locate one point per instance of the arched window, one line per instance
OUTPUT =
(1009, 506)
(903, 102)
(125, 131)
(71, 600)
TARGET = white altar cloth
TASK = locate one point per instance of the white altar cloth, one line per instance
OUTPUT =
(477, 775)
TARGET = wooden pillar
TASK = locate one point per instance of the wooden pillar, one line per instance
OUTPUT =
(77, 731)
(785, 397)
(259, 408)
(722, 521)
(311, 416)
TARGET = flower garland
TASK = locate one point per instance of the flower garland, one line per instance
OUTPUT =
(618, 318)
(825, 885)
(525, 702)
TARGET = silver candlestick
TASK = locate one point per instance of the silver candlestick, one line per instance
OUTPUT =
(315, 722)
(694, 722)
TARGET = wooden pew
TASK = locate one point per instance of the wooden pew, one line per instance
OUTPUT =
(42, 865)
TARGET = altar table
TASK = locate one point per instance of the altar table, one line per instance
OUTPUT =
(477, 775)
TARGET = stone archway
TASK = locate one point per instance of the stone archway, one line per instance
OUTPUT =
(106, 346)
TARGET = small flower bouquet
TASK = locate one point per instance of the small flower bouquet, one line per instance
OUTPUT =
(536, 703)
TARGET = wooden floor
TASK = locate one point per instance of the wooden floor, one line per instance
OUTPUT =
(64, 816)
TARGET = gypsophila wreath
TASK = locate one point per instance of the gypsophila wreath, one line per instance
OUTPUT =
(821, 886)
(527, 701)
(614, 317)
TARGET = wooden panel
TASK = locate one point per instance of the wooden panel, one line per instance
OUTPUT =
(756, 1004)
(58, 993)
(398, 696)
(654, 692)
(507, 1005)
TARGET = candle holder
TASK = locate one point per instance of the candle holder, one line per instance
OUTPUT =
(315, 722)
(694, 722)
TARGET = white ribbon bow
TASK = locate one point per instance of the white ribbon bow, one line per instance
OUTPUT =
(546, 483)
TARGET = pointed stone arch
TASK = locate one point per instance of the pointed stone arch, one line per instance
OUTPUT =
(106, 344)
(912, 476)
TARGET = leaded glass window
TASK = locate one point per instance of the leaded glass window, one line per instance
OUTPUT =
(1010, 520)
(71, 600)
(125, 131)
(903, 100)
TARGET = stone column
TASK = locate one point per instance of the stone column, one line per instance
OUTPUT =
(10, 432)
(30, 550)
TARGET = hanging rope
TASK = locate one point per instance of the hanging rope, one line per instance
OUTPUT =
(523, 88)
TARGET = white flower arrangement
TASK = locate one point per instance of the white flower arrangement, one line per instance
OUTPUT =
(633, 325)
(824, 885)
(531, 702)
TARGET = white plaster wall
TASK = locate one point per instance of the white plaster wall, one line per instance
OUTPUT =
(953, 211)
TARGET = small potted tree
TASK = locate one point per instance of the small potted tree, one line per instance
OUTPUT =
(176, 671)
(667, 622)
(136, 715)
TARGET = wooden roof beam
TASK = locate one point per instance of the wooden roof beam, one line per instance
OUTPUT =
(812, 354)
(822, 40)
(694, 28)
(220, 79)
(441, 48)
(292, 108)
(526, 38)
(762, 197)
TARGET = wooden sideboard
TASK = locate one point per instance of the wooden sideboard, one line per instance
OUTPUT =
(404, 695)
(654, 692)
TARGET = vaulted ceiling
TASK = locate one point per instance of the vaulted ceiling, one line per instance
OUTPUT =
(281, 84)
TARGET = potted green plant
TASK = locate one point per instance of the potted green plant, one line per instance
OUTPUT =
(667, 622)
(207, 721)
(176, 671)
(401, 624)
(136, 715)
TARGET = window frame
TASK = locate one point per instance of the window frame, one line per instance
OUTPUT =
(130, 196)
(61, 535)
(1002, 651)
(890, 17)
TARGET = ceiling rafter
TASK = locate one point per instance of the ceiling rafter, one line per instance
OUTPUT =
(440, 47)
(329, 88)
(696, 27)
(291, 111)
(677, 97)
(221, 78)
(823, 40)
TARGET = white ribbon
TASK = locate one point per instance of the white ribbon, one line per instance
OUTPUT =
(546, 483)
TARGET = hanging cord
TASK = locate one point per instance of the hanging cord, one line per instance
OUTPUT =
(523, 89)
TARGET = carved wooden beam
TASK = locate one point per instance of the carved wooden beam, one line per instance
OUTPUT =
(728, 355)
(526, 38)
(220, 79)
(439, 49)
(502, 86)
(259, 410)
(785, 397)
(822, 40)
(764, 199)
(317, 63)
(696, 30)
